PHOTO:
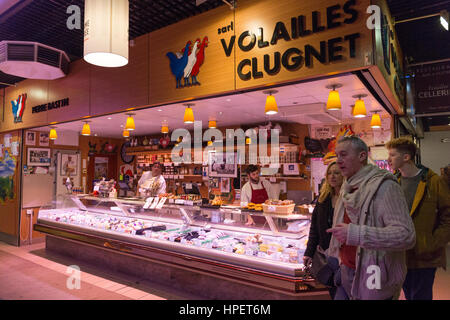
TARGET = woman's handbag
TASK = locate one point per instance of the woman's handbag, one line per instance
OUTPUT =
(323, 267)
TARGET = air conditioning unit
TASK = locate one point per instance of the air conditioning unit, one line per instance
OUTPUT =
(315, 113)
(32, 60)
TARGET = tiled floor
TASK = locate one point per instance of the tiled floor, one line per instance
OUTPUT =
(30, 272)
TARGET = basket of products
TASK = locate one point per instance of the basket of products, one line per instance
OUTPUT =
(282, 207)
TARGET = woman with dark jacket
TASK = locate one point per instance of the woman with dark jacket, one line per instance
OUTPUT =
(322, 216)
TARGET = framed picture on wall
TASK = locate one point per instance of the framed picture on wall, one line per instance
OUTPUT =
(44, 139)
(38, 157)
(30, 138)
(69, 165)
(222, 165)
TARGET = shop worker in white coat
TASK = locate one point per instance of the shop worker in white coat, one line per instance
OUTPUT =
(152, 183)
(256, 190)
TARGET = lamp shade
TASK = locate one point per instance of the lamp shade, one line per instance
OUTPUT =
(130, 124)
(248, 140)
(212, 124)
(188, 115)
(53, 135)
(86, 131)
(165, 129)
(126, 133)
(334, 102)
(359, 111)
(376, 121)
(106, 32)
(210, 143)
(271, 105)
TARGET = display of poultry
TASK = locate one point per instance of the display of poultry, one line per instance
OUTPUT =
(200, 59)
(192, 59)
(177, 65)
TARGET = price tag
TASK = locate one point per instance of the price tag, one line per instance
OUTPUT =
(271, 208)
(155, 203)
(175, 176)
(161, 203)
(170, 176)
(181, 176)
(179, 201)
(188, 185)
(189, 202)
(273, 179)
(97, 188)
(148, 202)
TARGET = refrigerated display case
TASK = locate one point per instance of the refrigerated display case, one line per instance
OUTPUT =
(215, 240)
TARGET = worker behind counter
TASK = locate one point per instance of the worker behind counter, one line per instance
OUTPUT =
(152, 183)
(257, 191)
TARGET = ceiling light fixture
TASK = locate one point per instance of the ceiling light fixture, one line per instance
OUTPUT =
(130, 126)
(271, 104)
(86, 131)
(334, 101)
(188, 113)
(53, 135)
(165, 127)
(126, 133)
(106, 26)
(444, 19)
(375, 123)
(359, 111)
(212, 124)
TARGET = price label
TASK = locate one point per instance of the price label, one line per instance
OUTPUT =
(148, 202)
(161, 203)
(189, 202)
(97, 188)
(181, 176)
(271, 208)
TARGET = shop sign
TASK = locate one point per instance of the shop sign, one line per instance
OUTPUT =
(323, 133)
(185, 64)
(294, 58)
(51, 105)
(432, 86)
(18, 106)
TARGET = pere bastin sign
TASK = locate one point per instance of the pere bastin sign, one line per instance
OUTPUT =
(51, 105)
(300, 26)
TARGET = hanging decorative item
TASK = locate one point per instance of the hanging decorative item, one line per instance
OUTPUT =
(86, 131)
(375, 123)
(188, 113)
(53, 135)
(126, 133)
(212, 124)
(130, 126)
(106, 32)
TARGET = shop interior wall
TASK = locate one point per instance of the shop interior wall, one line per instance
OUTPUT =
(435, 154)
(83, 148)
(10, 179)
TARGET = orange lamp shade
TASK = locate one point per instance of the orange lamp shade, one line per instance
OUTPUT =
(210, 143)
(212, 124)
(248, 140)
(375, 123)
(334, 102)
(188, 115)
(130, 124)
(359, 111)
(126, 133)
(271, 105)
(165, 129)
(86, 131)
(53, 135)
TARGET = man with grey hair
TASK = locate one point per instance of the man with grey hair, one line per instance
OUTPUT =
(371, 228)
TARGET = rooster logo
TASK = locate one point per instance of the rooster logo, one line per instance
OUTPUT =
(18, 106)
(185, 65)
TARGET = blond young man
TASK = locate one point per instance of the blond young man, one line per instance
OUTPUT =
(428, 201)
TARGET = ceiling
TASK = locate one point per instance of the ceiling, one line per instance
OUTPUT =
(310, 96)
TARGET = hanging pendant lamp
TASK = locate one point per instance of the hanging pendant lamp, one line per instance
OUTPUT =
(106, 24)
(188, 113)
(165, 128)
(130, 126)
(126, 133)
(334, 101)
(86, 131)
(212, 124)
(271, 104)
(53, 135)
(359, 111)
(375, 123)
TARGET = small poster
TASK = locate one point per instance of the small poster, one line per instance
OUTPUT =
(38, 157)
(7, 140)
(323, 132)
(44, 139)
(225, 185)
(15, 148)
(30, 138)
(69, 164)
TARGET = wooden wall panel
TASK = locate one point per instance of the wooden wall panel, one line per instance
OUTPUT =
(114, 89)
(9, 207)
(25, 227)
(217, 72)
(76, 88)
(270, 12)
(37, 93)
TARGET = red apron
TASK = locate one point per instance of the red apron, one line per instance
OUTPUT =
(260, 195)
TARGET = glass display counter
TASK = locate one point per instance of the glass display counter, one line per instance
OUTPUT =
(212, 237)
